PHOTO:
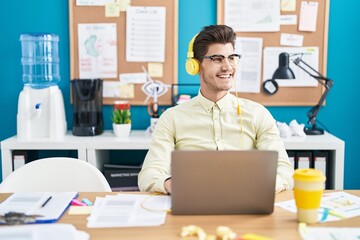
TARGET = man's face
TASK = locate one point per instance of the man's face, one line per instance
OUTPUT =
(217, 77)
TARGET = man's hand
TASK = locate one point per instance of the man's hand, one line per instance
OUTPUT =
(167, 185)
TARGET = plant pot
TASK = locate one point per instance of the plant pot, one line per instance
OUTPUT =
(122, 130)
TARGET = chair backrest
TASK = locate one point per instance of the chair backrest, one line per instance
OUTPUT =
(58, 174)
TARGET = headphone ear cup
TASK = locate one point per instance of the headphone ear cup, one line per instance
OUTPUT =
(192, 66)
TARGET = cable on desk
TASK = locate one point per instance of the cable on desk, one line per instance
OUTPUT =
(153, 210)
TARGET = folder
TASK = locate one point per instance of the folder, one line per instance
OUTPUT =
(303, 159)
(122, 177)
(19, 161)
(320, 163)
(19, 158)
(291, 155)
(320, 159)
(51, 206)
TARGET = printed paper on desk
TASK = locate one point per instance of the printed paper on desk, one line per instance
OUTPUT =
(57, 231)
(127, 210)
(308, 16)
(342, 203)
(330, 233)
(291, 40)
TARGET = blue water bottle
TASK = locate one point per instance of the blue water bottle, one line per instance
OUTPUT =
(40, 59)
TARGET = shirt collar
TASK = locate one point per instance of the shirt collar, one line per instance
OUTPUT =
(226, 101)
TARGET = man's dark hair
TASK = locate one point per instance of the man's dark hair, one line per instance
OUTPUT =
(212, 34)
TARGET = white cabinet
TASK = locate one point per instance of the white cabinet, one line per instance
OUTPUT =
(327, 142)
(96, 149)
(69, 142)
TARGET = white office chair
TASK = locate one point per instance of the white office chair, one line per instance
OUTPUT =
(58, 174)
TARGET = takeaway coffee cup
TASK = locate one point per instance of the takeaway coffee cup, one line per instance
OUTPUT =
(308, 189)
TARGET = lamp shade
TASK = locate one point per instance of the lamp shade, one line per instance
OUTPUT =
(283, 71)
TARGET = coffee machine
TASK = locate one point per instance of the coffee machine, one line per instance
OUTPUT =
(87, 100)
(41, 112)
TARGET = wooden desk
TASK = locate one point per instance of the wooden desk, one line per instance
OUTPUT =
(279, 225)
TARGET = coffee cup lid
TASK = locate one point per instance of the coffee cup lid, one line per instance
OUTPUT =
(309, 175)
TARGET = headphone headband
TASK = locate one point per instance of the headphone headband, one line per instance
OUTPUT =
(192, 65)
(190, 53)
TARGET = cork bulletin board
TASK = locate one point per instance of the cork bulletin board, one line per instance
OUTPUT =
(96, 14)
(291, 96)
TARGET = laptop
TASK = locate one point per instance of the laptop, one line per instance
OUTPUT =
(223, 182)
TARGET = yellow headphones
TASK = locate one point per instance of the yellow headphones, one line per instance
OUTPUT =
(192, 65)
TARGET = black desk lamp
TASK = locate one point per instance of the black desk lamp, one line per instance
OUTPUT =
(285, 72)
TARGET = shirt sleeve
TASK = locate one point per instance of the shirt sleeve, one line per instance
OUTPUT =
(156, 166)
(268, 138)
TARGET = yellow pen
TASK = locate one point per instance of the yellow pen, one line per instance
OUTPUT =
(328, 211)
(251, 236)
(336, 214)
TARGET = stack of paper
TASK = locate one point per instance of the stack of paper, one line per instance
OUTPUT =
(43, 232)
(330, 233)
(129, 210)
(339, 205)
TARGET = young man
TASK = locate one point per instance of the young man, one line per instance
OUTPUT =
(215, 119)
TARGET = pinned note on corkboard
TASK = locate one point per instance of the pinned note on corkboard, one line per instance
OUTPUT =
(317, 37)
(114, 46)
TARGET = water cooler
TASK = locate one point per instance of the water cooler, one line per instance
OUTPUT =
(41, 112)
(87, 100)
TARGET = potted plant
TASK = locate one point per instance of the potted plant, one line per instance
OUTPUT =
(121, 118)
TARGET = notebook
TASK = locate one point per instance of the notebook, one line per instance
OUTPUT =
(223, 182)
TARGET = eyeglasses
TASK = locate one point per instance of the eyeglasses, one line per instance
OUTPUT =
(218, 59)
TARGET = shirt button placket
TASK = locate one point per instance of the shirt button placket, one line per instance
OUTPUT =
(217, 128)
